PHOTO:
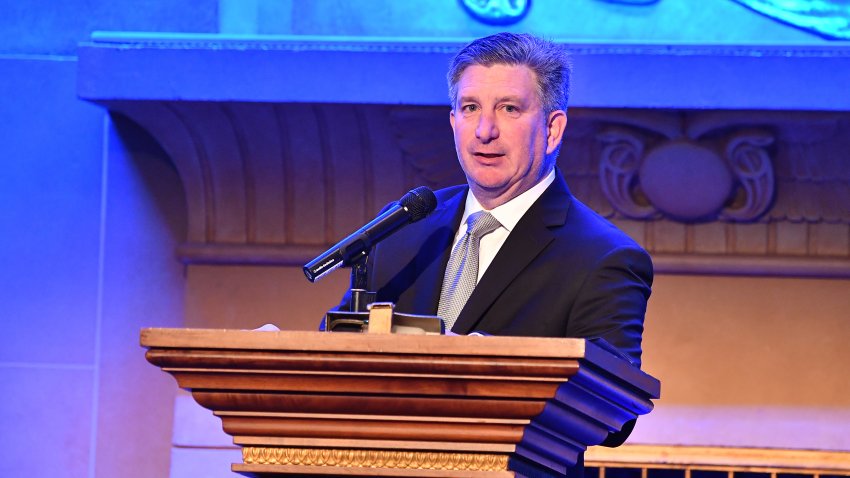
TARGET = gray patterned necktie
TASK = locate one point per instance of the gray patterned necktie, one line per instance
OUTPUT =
(462, 269)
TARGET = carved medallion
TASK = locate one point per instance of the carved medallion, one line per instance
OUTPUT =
(497, 12)
(687, 179)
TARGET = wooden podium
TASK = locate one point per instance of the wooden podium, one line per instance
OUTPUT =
(346, 404)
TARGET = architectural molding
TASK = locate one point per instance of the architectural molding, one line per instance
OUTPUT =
(687, 179)
(405, 70)
(270, 183)
(241, 42)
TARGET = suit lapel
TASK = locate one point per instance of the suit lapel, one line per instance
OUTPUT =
(525, 242)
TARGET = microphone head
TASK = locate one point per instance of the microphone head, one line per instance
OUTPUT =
(419, 202)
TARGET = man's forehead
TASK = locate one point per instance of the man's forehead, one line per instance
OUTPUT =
(498, 73)
(503, 81)
(514, 68)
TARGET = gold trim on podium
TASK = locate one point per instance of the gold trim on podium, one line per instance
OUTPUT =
(426, 406)
(358, 458)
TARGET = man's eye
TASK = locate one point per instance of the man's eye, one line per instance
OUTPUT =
(511, 109)
(469, 108)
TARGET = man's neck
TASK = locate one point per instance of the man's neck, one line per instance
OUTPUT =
(490, 200)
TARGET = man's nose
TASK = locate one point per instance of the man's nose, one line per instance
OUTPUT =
(487, 129)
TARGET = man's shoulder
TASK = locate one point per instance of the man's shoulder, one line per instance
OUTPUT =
(588, 240)
(596, 228)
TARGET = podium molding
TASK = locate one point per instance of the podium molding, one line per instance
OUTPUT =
(333, 404)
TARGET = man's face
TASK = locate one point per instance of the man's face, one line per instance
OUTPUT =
(502, 135)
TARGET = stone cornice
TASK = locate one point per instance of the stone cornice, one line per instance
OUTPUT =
(449, 45)
(146, 66)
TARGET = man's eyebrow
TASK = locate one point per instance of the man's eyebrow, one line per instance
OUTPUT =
(510, 99)
(503, 99)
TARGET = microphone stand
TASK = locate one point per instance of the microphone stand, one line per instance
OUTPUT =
(357, 317)
(360, 297)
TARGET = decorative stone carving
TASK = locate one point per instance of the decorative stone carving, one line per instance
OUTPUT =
(497, 12)
(827, 18)
(686, 179)
(754, 172)
(271, 175)
(759, 192)
(619, 167)
(424, 137)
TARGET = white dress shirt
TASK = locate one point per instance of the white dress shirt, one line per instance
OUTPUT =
(507, 214)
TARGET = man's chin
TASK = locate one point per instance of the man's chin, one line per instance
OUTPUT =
(488, 185)
(491, 190)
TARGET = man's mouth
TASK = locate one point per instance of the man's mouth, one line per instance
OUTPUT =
(488, 155)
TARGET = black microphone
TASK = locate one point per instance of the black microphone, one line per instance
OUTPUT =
(413, 206)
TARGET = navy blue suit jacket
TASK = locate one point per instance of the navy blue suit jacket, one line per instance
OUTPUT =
(564, 271)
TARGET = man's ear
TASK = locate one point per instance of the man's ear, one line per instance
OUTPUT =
(555, 127)
(452, 118)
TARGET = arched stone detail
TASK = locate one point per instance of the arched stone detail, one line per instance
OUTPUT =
(175, 137)
(276, 183)
(280, 179)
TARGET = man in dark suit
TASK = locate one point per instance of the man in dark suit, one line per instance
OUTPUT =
(553, 267)
(562, 272)
(547, 266)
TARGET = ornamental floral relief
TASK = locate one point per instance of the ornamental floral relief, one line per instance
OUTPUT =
(688, 184)
(753, 170)
(724, 174)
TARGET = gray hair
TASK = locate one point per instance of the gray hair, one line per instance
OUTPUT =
(549, 62)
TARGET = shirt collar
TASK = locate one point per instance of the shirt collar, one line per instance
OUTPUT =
(509, 213)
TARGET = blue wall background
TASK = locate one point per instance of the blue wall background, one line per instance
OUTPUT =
(92, 208)
(83, 236)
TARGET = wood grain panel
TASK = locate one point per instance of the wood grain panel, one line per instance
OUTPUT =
(548, 399)
(369, 405)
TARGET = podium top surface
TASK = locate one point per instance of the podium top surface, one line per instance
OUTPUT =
(357, 342)
(582, 350)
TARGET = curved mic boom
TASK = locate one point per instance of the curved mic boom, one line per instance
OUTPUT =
(413, 206)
